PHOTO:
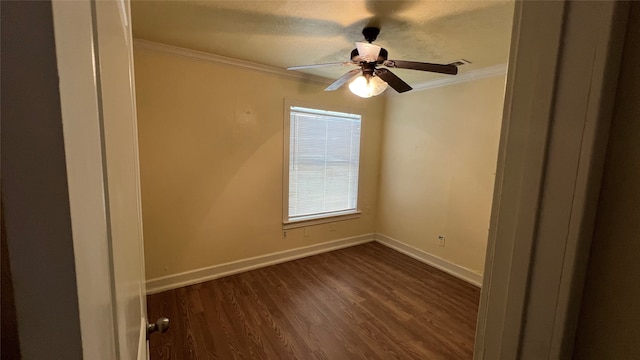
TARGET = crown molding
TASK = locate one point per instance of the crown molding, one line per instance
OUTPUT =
(201, 55)
(483, 73)
(487, 72)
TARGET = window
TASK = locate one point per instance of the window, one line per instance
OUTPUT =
(323, 157)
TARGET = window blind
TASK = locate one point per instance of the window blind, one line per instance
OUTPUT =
(324, 156)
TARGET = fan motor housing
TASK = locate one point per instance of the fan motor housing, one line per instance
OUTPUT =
(368, 69)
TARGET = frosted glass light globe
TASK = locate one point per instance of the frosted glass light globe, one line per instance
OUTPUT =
(367, 88)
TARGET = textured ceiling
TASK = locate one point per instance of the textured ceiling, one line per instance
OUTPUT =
(289, 33)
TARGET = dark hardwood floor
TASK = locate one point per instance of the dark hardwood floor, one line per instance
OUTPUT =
(362, 302)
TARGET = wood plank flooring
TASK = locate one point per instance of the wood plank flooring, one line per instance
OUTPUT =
(362, 302)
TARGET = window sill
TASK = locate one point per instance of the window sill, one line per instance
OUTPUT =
(322, 220)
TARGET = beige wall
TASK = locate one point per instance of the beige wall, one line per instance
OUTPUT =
(609, 325)
(211, 161)
(438, 164)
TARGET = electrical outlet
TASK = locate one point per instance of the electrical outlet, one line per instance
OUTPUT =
(441, 240)
(284, 234)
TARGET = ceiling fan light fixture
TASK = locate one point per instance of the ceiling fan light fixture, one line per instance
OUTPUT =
(367, 87)
(374, 81)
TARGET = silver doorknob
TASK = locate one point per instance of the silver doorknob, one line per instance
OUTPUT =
(161, 325)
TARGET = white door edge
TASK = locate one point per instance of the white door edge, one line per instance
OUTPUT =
(75, 52)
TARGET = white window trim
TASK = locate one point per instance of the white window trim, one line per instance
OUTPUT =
(347, 215)
(315, 219)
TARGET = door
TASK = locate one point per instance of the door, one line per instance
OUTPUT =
(120, 145)
(95, 67)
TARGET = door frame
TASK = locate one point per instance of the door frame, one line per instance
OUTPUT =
(78, 36)
(559, 97)
(77, 69)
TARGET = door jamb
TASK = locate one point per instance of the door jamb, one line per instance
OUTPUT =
(557, 112)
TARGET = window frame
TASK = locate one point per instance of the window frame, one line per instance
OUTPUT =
(319, 219)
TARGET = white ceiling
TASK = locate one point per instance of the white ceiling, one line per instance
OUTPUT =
(289, 33)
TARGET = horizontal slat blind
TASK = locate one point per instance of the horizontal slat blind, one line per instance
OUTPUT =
(324, 157)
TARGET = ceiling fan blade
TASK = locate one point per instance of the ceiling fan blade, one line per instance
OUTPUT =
(414, 65)
(320, 65)
(368, 52)
(343, 80)
(394, 81)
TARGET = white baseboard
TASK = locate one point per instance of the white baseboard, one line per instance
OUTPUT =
(217, 271)
(458, 271)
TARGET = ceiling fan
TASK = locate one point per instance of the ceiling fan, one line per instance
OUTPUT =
(368, 79)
